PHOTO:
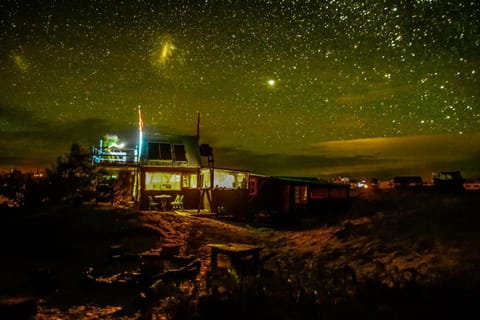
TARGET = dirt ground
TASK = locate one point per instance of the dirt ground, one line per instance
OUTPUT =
(391, 255)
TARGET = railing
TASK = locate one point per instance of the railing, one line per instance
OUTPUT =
(114, 157)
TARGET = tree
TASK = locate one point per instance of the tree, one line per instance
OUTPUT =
(71, 177)
(12, 186)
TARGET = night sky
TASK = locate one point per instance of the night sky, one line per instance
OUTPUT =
(305, 88)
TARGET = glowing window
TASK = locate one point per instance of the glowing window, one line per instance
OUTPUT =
(301, 196)
(205, 178)
(162, 181)
(225, 179)
(185, 181)
(189, 181)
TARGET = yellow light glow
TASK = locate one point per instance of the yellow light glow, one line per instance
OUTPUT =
(271, 83)
(162, 181)
(166, 51)
(20, 62)
(163, 51)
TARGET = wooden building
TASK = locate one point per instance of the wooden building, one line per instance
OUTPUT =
(163, 168)
(167, 166)
(293, 196)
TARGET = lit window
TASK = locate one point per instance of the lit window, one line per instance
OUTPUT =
(162, 181)
(301, 196)
(225, 179)
(193, 181)
(189, 181)
(205, 178)
(185, 181)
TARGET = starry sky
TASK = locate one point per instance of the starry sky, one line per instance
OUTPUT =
(304, 88)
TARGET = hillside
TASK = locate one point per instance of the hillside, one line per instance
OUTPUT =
(391, 255)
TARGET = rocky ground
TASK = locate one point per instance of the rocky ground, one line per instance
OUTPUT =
(391, 255)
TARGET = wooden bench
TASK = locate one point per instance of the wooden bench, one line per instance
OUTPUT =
(235, 252)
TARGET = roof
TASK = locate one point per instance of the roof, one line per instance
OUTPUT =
(308, 180)
(229, 169)
(192, 150)
(298, 179)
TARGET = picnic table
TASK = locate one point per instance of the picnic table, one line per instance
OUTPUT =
(235, 252)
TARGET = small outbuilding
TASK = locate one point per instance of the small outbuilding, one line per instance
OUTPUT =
(448, 180)
(293, 196)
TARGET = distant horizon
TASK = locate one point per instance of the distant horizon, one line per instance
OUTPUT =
(425, 177)
(382, 158)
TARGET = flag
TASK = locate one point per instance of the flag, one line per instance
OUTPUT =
(140, 120)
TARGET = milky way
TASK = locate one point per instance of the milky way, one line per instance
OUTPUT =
(269, 78)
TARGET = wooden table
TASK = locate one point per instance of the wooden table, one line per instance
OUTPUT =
(235, 252)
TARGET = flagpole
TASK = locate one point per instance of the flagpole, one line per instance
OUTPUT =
(198, 126)
(140, 133)
(137, 187)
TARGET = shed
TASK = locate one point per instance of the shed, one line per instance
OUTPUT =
(448, 180)
(294, 196)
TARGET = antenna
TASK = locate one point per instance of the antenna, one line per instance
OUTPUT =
(198, 126)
